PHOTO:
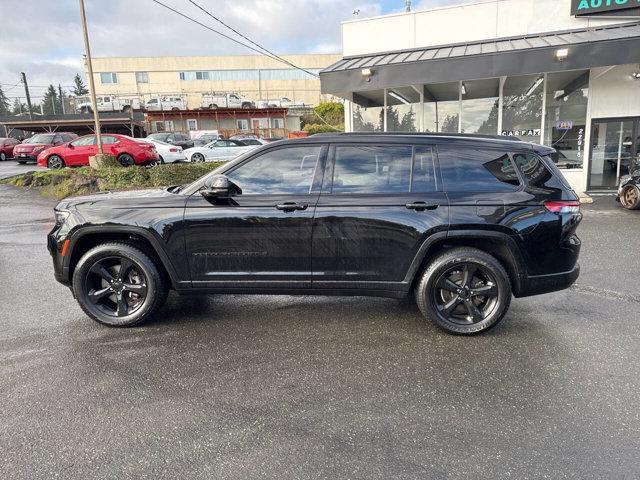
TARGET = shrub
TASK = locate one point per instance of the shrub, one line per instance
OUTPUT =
(313, 128)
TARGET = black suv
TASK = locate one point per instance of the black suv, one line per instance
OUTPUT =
(178, 139)
(461, 222)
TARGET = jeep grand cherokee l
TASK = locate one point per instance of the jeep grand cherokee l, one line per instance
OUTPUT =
(462, 223)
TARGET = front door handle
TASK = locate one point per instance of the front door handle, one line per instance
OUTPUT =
(291, 206)
(422, 206)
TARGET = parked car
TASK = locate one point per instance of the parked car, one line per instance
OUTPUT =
(6, 147)
(110, 103)
(174, 138)
(129, 151)
(282, 102)
(629, 190)
(254, 141)
(224, 100)
(220, 150)
(30, 148)
(167, 153)
(461, 223)
(206, 138)
(166, 103)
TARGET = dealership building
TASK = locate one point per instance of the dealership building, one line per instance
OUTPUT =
(562, 73)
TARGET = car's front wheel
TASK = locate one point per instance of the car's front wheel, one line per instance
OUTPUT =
(118, 285)
(630, 197)
(464, 291)
(55, 162)
(197, 158)
(3, 156)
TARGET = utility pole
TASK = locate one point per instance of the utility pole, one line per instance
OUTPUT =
(407, 5)
(61, 98)
(26, 92)
(92, 92)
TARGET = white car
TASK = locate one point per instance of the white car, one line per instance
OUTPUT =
(220, 150)
(168, 153)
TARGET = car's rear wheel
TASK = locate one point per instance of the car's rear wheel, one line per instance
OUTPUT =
(213, 106)
(175, 108)
(197, 158)
(126, 160)
(118, 285)
(55, 162)
(464, 291)
(630, 197)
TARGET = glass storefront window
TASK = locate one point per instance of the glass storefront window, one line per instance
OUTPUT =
(480, 103)
(522, 107)
(369, 115)
(442, 107)
(566, 116)
(403, 108)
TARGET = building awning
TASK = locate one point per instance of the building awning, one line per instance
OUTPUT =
(617, 44)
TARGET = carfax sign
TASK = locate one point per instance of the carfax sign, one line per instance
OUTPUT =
(595, 7)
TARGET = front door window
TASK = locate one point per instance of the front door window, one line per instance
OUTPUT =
(614, 147)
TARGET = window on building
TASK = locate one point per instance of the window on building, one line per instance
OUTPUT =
(476, 170)
(522, 107)
(142, 77)
(202, 75)
(442, 107)
(368, 117)
(403, 107)
(372, 169)
(166, 126)
(281, 171)
(480, 105)
(192, 124)
(257, 123)
(566, 116)
(243, 124)
(277, 123)
(108, 77)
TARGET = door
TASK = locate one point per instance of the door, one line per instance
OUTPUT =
(614, 148)
(379, 203)
(260, 238)
(80, 150)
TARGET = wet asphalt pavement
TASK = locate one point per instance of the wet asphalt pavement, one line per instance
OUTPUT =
(301, 387)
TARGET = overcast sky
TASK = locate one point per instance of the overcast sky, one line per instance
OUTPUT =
(43, 37)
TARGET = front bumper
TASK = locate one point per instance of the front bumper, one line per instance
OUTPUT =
(55, 249)
(25, 157)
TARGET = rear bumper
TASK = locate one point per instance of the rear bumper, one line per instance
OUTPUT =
(539, 284)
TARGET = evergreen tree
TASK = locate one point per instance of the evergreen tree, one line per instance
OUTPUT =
(4, 103)
(18, 107)
(408, 123)
(450, 124)
(50, 102)
(79, 88)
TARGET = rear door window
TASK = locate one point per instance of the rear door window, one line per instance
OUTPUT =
(372, 169)
(471, 169)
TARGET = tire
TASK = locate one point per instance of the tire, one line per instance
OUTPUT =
(160, 160)
(246, 106)
(197, 158)
(449, 297)
(213, 106)
(126, 160)
(126, 301)
(86, 110)
(3, 156)
(175, 108)
(630, 197)
(55, 162)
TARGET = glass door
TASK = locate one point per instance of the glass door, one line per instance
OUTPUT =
(614, 147)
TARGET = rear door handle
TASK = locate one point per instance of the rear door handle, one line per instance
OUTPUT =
(291, 206)
(422, 206)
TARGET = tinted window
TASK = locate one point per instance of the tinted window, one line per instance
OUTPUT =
(423, 178)
(40, 138)
(371, 169)
(84, 141)
(467, 169)
(281, 171)
(535, 171)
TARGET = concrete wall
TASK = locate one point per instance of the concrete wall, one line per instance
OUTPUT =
(163, 74)
(461, 23)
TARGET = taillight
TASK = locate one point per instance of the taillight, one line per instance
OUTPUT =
(173, 149)
(563, 206)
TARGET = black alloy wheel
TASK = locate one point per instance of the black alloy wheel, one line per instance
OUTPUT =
(126, 160)
(465, 291)
(55, 162)
(118, 285)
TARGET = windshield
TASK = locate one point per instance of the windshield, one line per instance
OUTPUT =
(158, 136)
(40, 138)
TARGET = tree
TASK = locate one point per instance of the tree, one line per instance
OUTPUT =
(450, 124)
(79, 88)
(408, 123)
(4, 103)
(331, 112)
(51, 104)
(18, 107)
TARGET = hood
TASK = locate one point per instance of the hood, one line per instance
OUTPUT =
(129, 199)
(30, 147)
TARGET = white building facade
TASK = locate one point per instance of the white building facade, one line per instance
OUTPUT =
(562, 73)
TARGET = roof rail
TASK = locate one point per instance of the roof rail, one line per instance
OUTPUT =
(422, 134)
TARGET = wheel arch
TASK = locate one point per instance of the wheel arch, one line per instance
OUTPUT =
(84, 240)
(500, 245)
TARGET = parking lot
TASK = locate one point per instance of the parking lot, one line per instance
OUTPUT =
(319, 387)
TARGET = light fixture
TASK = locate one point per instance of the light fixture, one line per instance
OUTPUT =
(561, 54)
(367, 73)
(464, 89)
(535, 85)
(635, 75)
(397, 96)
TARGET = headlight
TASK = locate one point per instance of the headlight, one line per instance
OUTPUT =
(61, 216)
(38, 149)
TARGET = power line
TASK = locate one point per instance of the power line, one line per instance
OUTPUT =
(273, 57)
(269, 52)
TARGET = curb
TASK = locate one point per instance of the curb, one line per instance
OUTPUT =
(584, 198)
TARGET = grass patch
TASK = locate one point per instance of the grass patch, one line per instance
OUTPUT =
(85, 180)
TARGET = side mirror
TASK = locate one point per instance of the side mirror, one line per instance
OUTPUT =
(71, 145)
(219, 186)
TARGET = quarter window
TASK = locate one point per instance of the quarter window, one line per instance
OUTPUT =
(372, 169)
(476, 170)
(281, 171)
(535, 171)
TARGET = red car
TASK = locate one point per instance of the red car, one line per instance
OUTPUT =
(6, 147)
(28, 150)
(128, 151)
